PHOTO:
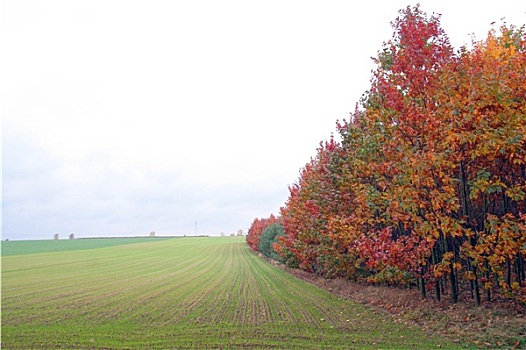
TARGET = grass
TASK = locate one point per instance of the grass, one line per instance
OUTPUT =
(44, 246)
(187, 293)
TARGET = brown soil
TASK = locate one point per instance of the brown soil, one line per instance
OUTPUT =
(497, 324)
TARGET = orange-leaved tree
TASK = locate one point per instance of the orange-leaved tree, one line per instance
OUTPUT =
(486, 96)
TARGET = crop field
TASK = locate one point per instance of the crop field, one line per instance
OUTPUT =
(184, 293)
(45, 246)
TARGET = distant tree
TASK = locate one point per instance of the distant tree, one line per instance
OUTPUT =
(257, 228)
(268, 239)
(55, 236)
(72, 236)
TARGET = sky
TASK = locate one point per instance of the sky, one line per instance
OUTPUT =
(182, 117)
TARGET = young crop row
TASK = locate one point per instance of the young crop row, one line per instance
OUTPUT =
(180, 294)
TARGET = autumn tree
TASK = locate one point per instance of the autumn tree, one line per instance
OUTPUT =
(315, 217)
(486, 97)
(257, 228)
(428, 183)
(403, 176)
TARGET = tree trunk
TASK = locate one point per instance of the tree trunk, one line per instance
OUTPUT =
(454, 286)
(518, 270)
(435, 260)
(464, 193)
(423, 284)
(476, 284)
(488, 291)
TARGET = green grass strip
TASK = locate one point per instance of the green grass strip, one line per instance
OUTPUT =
(45, 246)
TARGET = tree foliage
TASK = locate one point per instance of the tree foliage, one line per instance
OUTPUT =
(268, 240)
(427, 186)
(257, 228)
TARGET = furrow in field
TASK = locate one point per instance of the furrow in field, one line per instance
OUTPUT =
(300, 304)
(288, 300)
(64, 297)
(177, 298)
(164, 296)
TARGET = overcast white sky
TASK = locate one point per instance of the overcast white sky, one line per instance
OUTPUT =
(125, 117)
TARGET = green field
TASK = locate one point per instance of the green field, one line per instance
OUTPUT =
(46, 246)
(185, 293)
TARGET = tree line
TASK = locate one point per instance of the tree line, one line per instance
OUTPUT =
(425, 184)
